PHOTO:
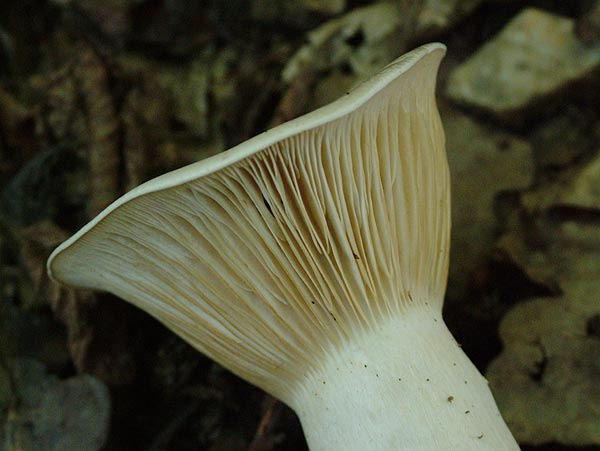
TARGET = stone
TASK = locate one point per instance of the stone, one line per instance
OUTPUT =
(530, 64)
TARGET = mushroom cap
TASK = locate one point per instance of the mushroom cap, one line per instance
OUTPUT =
(270, 256)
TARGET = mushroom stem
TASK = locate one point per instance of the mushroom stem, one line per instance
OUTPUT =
(311, 260)
(379, 394)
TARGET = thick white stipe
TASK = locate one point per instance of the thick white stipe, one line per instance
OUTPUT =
(379, 394)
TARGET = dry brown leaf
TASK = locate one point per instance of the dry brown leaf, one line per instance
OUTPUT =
(483, 163)
(38, 240)
(99, 344)
(546, 378)
(103, 124)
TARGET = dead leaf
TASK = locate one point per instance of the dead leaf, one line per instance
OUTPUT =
(546, 378)
(483, 163)
(40, 412)
(356, 44)
(103, 124)
(577, 189)
(100, 334)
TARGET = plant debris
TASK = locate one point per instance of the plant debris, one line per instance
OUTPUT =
(97, 97)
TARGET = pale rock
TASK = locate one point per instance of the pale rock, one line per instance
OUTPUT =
(528, 65)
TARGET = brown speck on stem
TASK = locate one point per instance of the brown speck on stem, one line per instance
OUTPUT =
(450, 398)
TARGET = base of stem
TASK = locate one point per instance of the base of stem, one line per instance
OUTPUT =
(405, 386)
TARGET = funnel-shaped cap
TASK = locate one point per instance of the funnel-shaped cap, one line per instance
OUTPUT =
(272, 255)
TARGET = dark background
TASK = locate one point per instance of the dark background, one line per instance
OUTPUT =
(99, 96)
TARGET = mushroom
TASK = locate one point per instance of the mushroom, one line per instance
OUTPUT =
(311, 260)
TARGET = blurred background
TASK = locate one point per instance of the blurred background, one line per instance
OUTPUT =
(99, 96)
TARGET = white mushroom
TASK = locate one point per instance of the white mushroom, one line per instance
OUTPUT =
(311, 260)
